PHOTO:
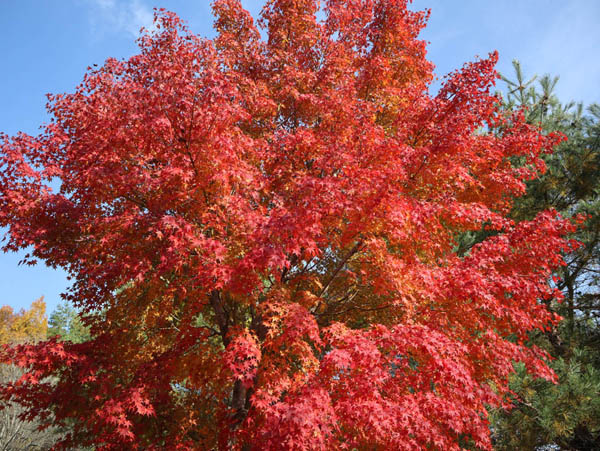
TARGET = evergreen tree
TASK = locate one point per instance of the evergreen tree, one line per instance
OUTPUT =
(566, 414)
(66, 323)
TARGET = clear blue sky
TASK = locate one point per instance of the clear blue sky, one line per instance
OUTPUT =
(47, 45)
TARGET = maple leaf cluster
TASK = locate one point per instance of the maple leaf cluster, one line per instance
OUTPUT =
(262, 235)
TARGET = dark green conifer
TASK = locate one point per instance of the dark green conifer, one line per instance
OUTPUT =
(567, 414)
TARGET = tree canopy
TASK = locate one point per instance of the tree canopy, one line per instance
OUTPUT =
(264, 238)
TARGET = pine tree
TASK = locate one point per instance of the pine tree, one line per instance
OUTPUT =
(66, 323)
(566, 414)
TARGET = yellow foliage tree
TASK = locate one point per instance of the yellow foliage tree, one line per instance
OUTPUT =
(26, 325)
(21, 327)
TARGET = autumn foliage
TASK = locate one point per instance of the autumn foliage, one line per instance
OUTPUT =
(262, 232)
(23, 326)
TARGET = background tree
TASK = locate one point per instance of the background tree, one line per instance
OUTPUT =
(566, 414)
(26, 325)
(263, 237)
(16, 432)
(66, 323)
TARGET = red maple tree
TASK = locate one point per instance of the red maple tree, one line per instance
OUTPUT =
(262, 236)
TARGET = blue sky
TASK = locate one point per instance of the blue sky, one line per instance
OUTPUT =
(46, 47)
